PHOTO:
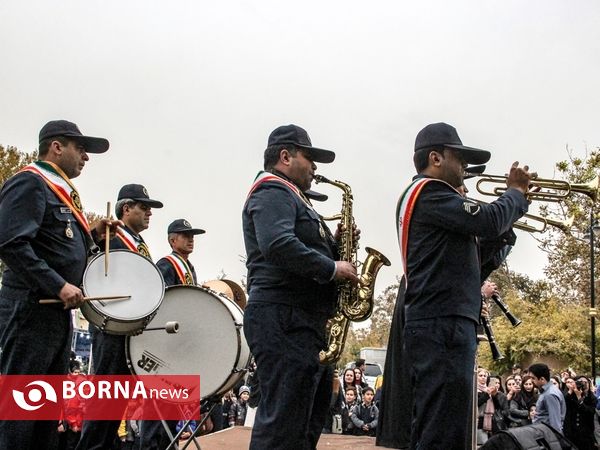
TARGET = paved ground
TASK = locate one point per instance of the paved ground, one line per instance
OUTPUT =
(238, 438)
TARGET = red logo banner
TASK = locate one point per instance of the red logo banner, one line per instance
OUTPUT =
(100, 397)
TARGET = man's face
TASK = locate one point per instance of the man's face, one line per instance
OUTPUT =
(538, 382)
(137, 216)
(72, 158)
(452, 167)
(301, 170)
(183, 243)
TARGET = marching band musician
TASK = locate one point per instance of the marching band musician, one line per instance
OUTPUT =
(292, 268)
(437, 231)
(133, 208)
(176, 268)
(44, 241)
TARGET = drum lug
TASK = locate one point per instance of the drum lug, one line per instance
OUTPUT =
(104, 323)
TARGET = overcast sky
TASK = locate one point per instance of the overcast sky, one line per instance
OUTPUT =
(188, 91)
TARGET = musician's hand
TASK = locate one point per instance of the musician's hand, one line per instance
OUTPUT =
(100, 227)
(71, 296)
(488, 289)
(341, 228)
(345, 271)
(520, 178)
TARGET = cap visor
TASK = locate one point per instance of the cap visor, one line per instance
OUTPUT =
(319, 155)
(93, 144)
(148, 201)
(471, 155)
(317, 196)
(473, 171)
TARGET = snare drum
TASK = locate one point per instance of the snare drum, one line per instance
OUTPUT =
(129, 273)
(210, 341)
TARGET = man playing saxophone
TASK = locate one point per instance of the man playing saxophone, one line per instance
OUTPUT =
(292, 269)
(438, 231)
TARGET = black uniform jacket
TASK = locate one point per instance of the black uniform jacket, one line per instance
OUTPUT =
(443, 255)
(290, 252)
(34, 242)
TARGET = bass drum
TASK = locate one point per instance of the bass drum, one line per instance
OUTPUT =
(130, 274)
(210, 341)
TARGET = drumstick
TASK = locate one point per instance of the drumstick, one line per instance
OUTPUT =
(49, 301)
(107, 240)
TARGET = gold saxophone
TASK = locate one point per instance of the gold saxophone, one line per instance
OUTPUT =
(355, 303)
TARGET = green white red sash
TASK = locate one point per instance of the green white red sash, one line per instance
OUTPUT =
(182, 268)
(263, 177)
(62, 187)
(133, 244)
(404, 211)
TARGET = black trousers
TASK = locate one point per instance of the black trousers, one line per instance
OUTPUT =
(440, 353)
(108, 358)
(34, 339)
(295, 387)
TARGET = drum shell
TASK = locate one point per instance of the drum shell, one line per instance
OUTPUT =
(129, 273)
(210, 341)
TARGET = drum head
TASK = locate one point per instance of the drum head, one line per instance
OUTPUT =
(129, 273)
(210, 342)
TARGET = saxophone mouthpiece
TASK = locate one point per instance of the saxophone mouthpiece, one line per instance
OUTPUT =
(320, 179)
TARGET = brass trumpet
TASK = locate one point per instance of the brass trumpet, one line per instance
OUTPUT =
(550, 190)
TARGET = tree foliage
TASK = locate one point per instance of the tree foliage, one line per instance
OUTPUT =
(11, 160)
(568, 268)
(550, 331)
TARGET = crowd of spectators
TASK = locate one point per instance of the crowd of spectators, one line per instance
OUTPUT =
(511, 402)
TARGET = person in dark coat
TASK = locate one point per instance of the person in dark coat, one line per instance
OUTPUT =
(293, 266)
(134, 208)
(437, 232)
(45, 241)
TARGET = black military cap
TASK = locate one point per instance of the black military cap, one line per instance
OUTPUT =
(183, 226)
(65, 128)
(443, 135)
(293, 134)
(138, 193)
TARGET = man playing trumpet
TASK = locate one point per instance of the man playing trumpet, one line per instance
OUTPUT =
(438, 231)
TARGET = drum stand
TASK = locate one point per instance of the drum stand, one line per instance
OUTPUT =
(207, 406)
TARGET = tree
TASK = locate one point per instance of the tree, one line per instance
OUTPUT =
(12, 160)
(568, 268)
(550, 331)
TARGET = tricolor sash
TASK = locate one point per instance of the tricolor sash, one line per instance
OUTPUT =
(263, 177)
(132, 243)
(59, 183)
(182, 268)
(404, 211)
